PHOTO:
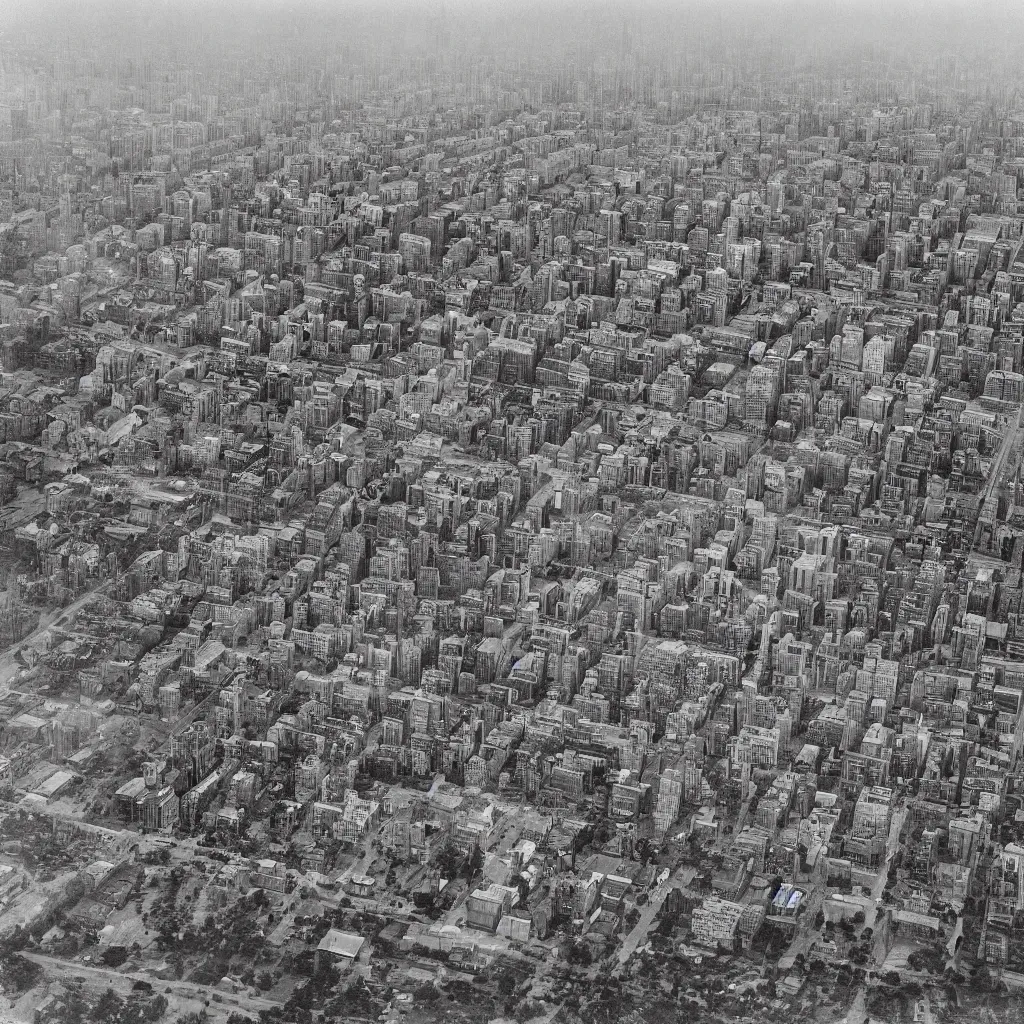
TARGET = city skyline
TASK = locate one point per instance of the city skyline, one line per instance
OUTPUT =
(511, 512)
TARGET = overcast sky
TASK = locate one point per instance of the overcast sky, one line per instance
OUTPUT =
(445, 27)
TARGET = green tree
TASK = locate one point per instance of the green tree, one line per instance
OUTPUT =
(578, 953)
(449, 860)
(75, 1009)
(981, 979)
(427, 993)
(108, 1007)
(18, 973)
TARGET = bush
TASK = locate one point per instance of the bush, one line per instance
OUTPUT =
(426, 993)
(18, 973)
(114, 956)
(579, 953)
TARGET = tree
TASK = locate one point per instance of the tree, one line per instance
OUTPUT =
(474, 863)
(427, 993)
(578, 952)
(115, 956)
(524, 889)
(177, 962)
(108, 1007)
(18, 973)
(75, 1009)
(449, 860)
(527, 1010)
(156, 1008)
(981, 979)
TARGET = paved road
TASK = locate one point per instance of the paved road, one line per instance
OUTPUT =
(9, 667)
(182, 989)
(997, 472)
(181, 848)
(805, 934)
(892, 844)
(857, 1013)
(681, 877)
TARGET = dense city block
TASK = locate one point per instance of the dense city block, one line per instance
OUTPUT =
(510, 517)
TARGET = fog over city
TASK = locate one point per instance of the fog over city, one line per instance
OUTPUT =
(511, 512)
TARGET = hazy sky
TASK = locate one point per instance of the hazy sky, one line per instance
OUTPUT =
(426, 27)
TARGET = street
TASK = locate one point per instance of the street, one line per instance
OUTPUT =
(681, 877)
(9, 666)
(892, 844)
(124, 979)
